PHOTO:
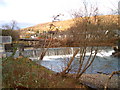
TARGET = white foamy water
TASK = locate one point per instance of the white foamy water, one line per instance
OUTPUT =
(104, 53)
(101, 53)
(103, 62)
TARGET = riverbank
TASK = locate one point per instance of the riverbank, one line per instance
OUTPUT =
(99, 80)
(22, 72)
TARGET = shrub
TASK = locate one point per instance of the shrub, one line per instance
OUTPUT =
(13, 33)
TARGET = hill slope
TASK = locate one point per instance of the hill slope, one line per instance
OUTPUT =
(64, 25)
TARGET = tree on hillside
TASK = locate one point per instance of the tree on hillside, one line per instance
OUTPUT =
(11, 30)
(96, 29)
(14, 34)
(11, 26)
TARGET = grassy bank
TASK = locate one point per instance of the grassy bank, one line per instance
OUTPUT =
(21, 72)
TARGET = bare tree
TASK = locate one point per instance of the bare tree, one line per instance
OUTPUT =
(67, 69)
(48, 43)
(10, 30)
(90, 31)
(56, 18)
(45, 48)
(11, 26)
(83, 33)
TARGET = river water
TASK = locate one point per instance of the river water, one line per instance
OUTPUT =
(56, 59)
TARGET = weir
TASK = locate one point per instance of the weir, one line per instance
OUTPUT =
(50, 51)
(35, 52)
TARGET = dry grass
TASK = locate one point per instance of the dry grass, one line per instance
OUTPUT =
(68, 23)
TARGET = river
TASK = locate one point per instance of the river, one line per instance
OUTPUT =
(56, 59)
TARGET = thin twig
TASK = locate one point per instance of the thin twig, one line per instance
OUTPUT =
(113, 73)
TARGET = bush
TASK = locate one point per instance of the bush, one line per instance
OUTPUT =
(13, 33)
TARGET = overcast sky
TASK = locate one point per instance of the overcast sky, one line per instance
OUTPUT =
(31, 12)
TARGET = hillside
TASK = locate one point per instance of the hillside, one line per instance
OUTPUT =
(98, 31)
(64, 25)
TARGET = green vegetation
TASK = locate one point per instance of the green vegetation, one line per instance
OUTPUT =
(21, 72)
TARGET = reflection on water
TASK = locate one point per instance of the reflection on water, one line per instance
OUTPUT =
(56, 59)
